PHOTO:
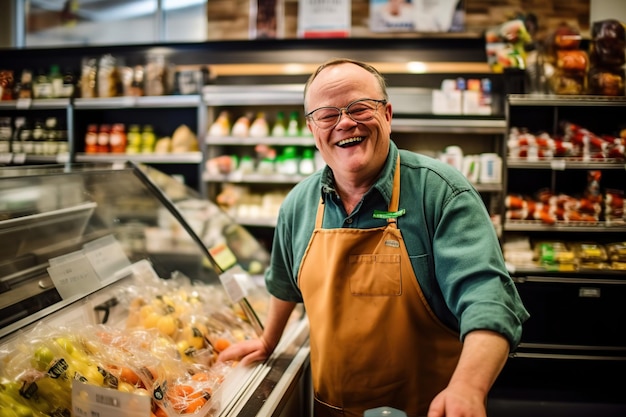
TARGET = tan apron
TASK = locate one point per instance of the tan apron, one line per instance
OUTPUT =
(374, 339)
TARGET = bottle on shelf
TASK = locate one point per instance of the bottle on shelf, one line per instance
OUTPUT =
(293, 127)
(241, 128)
(221, 125)
(91, 139)
(25, 89)
(63, 146)
(26, 137)
(6, 132)
(42, 87)
(56, 82)
(51, 137)
(133, 139)
(69, 84)
(259, 127)
(288, 163)
(307, 162)
(137, 84)
(148, 139)
(16, 139)
(279, 130)
(104, 138)
(118, 138)
(39, 137)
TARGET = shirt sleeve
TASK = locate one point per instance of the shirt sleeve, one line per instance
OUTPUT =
(471, 272)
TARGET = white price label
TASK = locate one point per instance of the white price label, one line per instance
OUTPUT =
(73, 275)
(19, 158)
(235, 283)
(5, 158)
(557, 165)
(24, 103)
(91, 400)
(106, 256)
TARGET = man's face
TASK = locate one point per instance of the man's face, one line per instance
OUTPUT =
(351, 149)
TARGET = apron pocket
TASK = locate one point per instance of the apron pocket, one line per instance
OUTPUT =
(375, 274)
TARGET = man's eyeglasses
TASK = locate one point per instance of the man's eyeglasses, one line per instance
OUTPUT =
(360, 111)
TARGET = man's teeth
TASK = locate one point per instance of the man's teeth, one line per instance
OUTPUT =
(350, 140)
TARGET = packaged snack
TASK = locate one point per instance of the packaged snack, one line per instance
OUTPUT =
(606, 81)
(589, 252)
(608, 43)
(617, 251)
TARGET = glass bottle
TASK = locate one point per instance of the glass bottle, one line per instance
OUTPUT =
(148, 139)
(118, 138)
(51, 137)
(91, 139)
(69, 83)
(42, 87)
(26, 84)
(278, 130)
(259, 127)
(104, 138)
(307, 163)
(56, 82)
(133, 139)
(39, 137)
(16, 139)
(293, 127)
(6, 131)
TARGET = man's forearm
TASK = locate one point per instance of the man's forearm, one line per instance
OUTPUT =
(482, 359)
(278, 314)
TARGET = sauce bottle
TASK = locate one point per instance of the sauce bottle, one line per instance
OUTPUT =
(118, 138)
(104, 137)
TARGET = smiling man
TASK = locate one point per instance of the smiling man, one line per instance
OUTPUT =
(396, 261)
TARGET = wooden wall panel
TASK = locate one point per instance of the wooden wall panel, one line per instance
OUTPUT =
(228, 19)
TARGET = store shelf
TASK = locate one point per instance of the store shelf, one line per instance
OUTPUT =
(559, 226)
(561, 164)
(464, 125)
(28, 104)
(248, 141)
(253, 178)
(22, 158)
(174, 101)
(241, 95)
(170, 158)
(563, 100)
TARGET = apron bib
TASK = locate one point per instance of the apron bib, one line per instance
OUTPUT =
(374, 339)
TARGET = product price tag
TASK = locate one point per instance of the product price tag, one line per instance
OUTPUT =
(5, 158)
(72, 275)
(91, 400)
(235, 282)
(106, 256)
(23, 103)
(557, 165)
(19, 158)
(62, 158)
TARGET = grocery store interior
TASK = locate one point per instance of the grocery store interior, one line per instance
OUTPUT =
(171, 131)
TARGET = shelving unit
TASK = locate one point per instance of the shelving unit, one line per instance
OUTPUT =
(576, 328)
(242, 99)
(166, 113)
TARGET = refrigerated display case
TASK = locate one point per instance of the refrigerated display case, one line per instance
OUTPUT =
(88, 248)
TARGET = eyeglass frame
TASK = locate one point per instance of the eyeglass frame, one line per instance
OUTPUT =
(342, 110)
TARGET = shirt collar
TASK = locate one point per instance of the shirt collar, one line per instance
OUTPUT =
(384, 184)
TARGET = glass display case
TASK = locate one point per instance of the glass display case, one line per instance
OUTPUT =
(89, 249)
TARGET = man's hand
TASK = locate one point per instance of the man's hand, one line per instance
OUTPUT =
(483, 357)
(247, 352)
(458, 402)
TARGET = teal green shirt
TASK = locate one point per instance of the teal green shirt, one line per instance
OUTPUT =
(451, 241)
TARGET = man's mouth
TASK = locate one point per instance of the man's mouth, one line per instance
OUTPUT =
(346, 143)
